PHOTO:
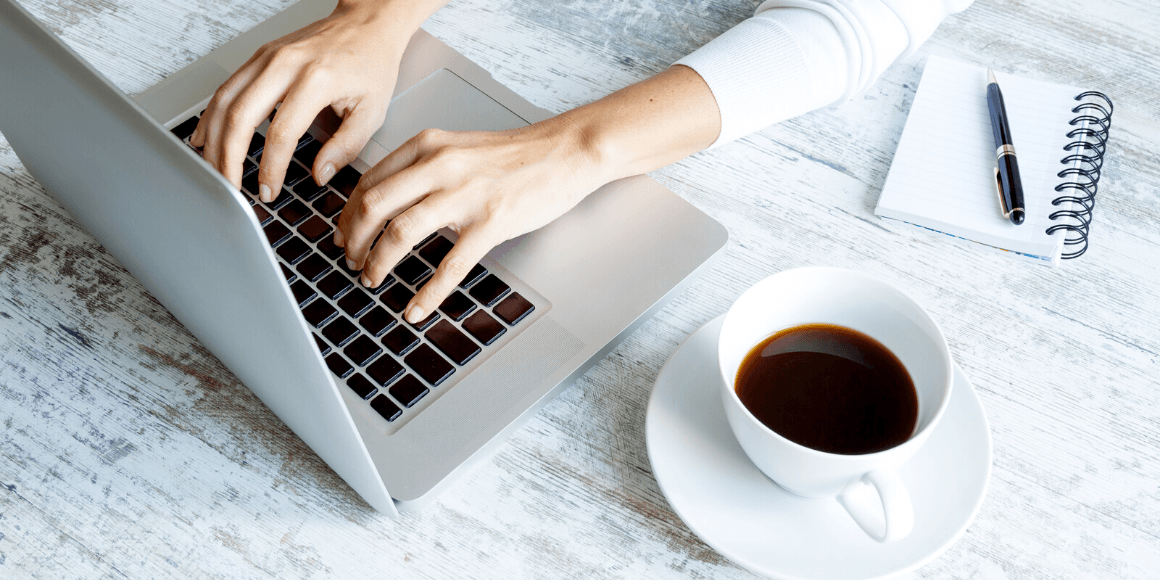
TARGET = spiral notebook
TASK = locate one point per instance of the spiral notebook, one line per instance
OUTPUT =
(942, 177)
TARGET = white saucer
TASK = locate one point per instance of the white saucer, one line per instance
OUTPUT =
(731, 505)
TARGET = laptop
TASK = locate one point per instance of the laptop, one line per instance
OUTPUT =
(398, 410)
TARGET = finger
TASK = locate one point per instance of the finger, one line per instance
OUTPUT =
(473, 244)
(402, 157)
(249, 109)
(346, 143)
(225, 94)
(299, 107)
(401, 234)
(366, 213)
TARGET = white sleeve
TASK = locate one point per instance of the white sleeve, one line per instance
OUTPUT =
(795, 56)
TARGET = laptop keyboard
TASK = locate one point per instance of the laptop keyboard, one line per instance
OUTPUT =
(387, 362)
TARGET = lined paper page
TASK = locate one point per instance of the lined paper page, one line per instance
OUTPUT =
(943, 172)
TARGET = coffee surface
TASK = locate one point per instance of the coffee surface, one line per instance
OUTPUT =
(829, 388)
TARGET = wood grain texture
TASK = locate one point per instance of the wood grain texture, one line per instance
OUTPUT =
(128, 450)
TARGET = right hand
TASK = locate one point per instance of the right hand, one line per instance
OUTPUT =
(348, 61)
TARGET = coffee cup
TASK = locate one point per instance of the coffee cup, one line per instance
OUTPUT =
(863, 303)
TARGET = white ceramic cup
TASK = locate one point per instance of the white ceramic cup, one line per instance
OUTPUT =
(872, 307)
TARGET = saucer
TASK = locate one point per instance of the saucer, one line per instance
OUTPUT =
(731, 505)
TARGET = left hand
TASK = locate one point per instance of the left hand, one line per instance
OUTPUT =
(487, 187)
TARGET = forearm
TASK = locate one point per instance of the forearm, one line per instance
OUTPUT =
(645, 126)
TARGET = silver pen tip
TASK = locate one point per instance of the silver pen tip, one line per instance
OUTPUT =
(991, 77)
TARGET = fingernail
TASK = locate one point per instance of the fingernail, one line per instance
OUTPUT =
(414, 313)
(350, 264)
(339, 239)
(365, 281)
(264, 192)
(326, 173)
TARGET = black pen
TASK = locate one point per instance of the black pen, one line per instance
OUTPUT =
(1007, 173)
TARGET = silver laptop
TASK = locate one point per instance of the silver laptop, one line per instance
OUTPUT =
(397, 410)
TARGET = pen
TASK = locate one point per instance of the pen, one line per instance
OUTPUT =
(1007, 181)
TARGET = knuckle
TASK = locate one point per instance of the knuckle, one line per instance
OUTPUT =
(368, 204)
(285, 54)
(280, 133)
(403, 227)
(236, 114)
(429, 138)
(454, 269)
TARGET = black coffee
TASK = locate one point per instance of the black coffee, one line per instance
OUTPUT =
(829, 388)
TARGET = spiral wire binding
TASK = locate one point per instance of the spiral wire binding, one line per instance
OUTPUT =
(1084, 160)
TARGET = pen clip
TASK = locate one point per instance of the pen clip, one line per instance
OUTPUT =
(999, 190)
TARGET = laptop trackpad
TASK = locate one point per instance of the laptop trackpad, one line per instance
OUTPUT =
(442, 101)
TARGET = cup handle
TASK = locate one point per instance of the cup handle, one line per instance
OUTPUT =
(897, 515)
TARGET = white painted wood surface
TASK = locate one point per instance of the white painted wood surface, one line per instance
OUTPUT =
(127, 450)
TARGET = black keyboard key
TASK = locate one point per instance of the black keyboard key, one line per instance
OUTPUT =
(319, 312)
(323, 347)
(338, 365)
(385, 370)
(362, 350)
(295, 212)
(426, 322)
(428, 364)
(396, 297)
(329, 204)
(452, 342)
(513, 309)
(257, 144)
(489, 290)
(361, 386)
(435, 251)
(340, 331)
(263, 216)
(294, 175)
(408, 391)
(412, 270)
(276, 233)
(328, 248)
(250, 184)
(284, 197)
(303, 293)
(294, 250)
(186, 128)
(377, 321)
(314, 229)
(248, 167)
(345, 180)
(356, 303)
(308, 190)
(473, 276)
(308, 152)
(335, 285)
(457, 306)
(303, 140)
(400, 340)
(314, 267)
(288, 273)
(386, 408)
(379, 289)
(484, 328)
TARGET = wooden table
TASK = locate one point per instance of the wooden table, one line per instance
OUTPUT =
(128, 450)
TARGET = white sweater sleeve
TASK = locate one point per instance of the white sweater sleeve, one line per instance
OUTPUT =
(795, 56)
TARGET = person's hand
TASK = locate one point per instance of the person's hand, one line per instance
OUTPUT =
(487, 187)
(348, 61)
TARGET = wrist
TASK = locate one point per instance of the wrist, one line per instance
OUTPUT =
(396, 20)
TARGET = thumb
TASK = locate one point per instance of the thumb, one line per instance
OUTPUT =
(346, 143)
